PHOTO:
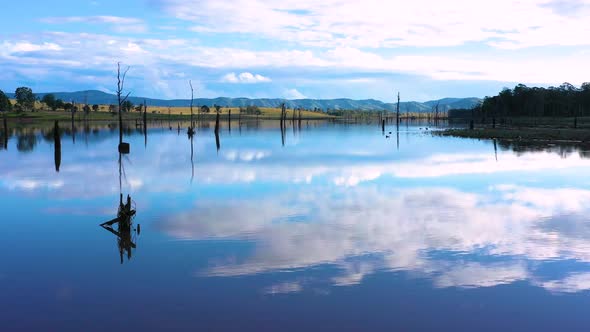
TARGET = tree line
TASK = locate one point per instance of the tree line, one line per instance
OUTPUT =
(565, 100)
(25, 101)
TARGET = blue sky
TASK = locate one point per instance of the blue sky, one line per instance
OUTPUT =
(295, 49)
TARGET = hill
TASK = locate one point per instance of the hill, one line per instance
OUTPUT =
(99, 97)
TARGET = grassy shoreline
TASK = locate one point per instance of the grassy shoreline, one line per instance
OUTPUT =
(521, 133)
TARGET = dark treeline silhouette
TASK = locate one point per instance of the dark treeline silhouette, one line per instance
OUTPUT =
(565, 100)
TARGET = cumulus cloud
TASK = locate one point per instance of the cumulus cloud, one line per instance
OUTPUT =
(349, 23)
(101, 49)
(334, 35)
(244, 77)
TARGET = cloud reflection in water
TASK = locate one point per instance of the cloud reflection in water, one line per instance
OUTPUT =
(486, 239)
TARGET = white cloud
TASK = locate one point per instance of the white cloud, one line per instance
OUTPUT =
(101, 50)
(244, 77)
(333, 35)
(25, 46)
(293, 94)
(350, 23)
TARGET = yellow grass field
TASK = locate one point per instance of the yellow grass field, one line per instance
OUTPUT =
(265, 112)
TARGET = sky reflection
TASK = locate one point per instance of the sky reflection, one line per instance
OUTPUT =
(454, 212)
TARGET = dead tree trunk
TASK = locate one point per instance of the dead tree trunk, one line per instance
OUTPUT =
(120, 98)
(283, 112)
(192, 98)
(144, 123)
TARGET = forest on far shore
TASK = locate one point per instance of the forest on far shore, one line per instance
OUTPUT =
(565, 100)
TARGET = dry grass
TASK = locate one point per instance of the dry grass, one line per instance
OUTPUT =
(266, 112)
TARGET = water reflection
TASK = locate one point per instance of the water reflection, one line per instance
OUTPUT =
(5, 134)
(338, 218)
(217, 142)
(192, 160)
(57, 146)
(125, 232)
(455, 238)
(26, 141)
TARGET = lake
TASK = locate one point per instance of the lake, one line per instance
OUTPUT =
(329, 227)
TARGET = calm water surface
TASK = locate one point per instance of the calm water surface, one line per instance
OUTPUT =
(337, 229)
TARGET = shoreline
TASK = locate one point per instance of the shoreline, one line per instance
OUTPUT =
(547, 135)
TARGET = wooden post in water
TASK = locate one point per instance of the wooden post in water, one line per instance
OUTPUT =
(217, 109)
(283, 112)
(56, 146)
(229, 120)
(383, 125)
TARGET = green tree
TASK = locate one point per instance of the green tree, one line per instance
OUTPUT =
(25, 98)
(127, 106)
(50, 101)
(95, 107)
(5, 105)
(59, 104)
(86, 109)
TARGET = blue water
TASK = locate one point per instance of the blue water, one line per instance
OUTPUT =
(339, 229)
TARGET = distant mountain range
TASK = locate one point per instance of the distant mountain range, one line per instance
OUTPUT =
(99, 97)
